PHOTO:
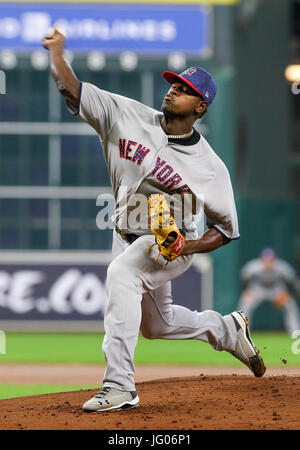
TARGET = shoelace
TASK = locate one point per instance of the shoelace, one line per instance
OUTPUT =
(103, 392)
(159, 252)
(151, 246)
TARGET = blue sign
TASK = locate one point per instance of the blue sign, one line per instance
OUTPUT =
(72, 292)
(147, 29)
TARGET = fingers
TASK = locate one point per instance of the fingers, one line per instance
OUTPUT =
(50, 33)
(170, 239)
(55, 30)
(46, 41)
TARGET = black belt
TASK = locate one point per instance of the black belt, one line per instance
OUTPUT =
(128, 237)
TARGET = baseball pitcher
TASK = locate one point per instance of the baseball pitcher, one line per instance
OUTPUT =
(157, 156)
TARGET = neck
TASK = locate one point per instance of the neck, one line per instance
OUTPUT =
(174, 126)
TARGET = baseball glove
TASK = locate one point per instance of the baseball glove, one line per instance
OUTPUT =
(167, 235)
(281, 299)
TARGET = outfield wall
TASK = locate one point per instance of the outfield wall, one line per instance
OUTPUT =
(67, 291)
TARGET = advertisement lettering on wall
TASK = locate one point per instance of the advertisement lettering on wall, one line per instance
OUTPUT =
(52, 292)
(76, 292)
(155, 29)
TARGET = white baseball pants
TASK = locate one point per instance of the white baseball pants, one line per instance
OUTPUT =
(139, 299)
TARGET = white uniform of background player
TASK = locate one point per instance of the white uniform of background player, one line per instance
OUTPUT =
(270, 278)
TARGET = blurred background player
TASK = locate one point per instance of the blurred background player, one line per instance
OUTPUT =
(270, 278)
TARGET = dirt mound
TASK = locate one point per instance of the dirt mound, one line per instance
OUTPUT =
(223, 402)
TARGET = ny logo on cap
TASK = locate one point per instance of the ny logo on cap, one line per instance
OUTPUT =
(190, 71)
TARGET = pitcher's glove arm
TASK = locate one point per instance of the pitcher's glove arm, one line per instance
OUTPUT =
(167, 235)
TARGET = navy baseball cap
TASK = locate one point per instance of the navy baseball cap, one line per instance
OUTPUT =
(268, 253)
(198, 79)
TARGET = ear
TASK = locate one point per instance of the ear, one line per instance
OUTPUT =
(201, 107)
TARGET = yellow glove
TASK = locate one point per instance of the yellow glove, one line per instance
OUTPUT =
(168, 237)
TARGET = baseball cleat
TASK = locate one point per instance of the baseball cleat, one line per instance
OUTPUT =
(108, 399)
(245, 350)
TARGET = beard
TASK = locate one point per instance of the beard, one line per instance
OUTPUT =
(168, 111)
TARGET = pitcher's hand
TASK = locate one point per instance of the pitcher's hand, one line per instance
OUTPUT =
(54, 40)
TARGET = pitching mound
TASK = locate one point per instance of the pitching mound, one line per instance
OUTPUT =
(223, 402)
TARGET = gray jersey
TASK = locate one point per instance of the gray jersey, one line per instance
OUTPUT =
(280, 275)
(141, 160)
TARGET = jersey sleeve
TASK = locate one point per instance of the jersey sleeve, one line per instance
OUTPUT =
(287, 271)
(250, 269)
(99, 108)
(219, 204)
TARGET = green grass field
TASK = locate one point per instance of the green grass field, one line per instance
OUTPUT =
(84, 348)
(24, 390)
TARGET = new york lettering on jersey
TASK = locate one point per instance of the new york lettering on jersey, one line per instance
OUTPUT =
(164, 173)
(132, 150)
